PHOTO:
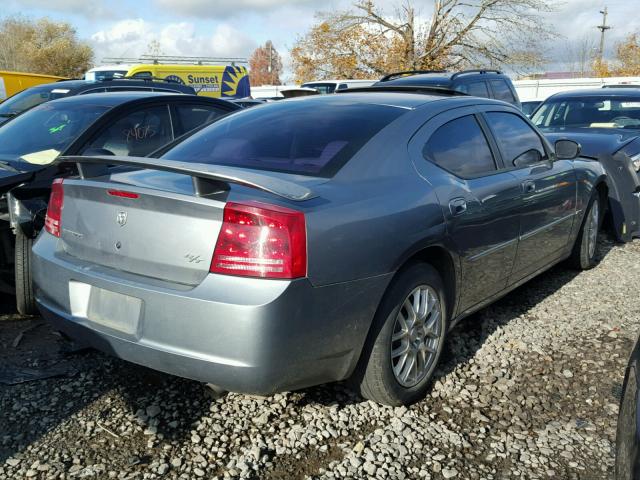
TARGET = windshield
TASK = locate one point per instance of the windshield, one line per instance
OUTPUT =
(105, 75)
(303, 137)
(29, 98)
(38, 136)
(589, 112)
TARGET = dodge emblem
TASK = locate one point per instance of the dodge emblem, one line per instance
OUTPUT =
(121, 218)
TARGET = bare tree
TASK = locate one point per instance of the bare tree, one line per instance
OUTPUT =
(579, 55)
(459, 33)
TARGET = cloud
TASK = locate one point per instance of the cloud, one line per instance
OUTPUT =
(227, 8)
(131, 38)
(93, 10)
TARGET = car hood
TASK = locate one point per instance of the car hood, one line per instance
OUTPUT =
(594, 141)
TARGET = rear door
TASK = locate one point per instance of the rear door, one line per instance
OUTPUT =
(548, 202)
(480, 201)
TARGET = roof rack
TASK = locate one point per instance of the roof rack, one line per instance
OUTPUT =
(482, 70)
(142, 79)
(408, 73)
(405, 89)
(164, 59)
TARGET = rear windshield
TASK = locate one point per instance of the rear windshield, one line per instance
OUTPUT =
(303, 137)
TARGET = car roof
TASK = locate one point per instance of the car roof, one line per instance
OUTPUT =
(599, 92)
(333, 80)
(399, 99)
(439, 78)
(72, 85)
(114, 98)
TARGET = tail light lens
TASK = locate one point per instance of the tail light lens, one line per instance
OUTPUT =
(52, 222)
(258, 240)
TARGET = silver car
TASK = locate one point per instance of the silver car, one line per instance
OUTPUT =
(314, 240)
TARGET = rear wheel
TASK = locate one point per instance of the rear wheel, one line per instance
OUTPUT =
(584, 254)
(406, 339)
(25, 300)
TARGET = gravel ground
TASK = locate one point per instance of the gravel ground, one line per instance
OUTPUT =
(529, 388)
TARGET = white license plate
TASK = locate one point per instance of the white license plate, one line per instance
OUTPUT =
(104, 307)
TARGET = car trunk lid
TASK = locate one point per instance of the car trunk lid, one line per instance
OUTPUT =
(154, 233)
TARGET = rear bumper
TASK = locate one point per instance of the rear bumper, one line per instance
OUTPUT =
(245, 335)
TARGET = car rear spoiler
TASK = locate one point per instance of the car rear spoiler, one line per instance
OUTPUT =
(207, 179)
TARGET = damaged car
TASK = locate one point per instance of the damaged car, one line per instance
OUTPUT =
(326, 238)
(606, 124)
(131, 123)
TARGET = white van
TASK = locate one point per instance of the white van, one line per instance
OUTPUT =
(330, 86)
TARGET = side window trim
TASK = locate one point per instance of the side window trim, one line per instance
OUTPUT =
(491, 140)
(508, 167)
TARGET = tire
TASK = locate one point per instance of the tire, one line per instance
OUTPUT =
(380, 376)
(585, 251)
(25, 300)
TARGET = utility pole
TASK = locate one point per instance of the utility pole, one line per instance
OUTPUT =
(270, 69)
(603, 28)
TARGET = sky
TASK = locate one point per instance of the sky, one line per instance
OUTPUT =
(234, 28)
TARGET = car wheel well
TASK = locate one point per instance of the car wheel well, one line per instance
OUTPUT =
(440, 259)
(603, 194)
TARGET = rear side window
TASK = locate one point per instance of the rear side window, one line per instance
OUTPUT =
(475, 89)
(501, 91)
(461, 148)
(519, 143)
(192, 116)
(307, 137)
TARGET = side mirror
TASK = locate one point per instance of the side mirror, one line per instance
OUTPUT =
(567, 149)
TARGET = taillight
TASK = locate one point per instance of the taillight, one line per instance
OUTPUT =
(52, 222)
(258, 240)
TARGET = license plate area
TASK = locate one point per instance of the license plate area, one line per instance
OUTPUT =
(103, 307)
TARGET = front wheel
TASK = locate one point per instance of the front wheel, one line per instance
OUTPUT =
(406, 339)
(584, 254)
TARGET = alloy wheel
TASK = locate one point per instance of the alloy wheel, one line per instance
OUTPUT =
(417, 334)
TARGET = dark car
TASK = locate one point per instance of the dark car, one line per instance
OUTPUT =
(33, 96)
(318, 239)
(478, 83)
(606, 124)
(628, 435)
(131, 123)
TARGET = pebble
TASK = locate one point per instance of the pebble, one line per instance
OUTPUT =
(514, 398)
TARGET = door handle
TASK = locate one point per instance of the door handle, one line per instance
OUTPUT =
(528, 186)
(457, 206)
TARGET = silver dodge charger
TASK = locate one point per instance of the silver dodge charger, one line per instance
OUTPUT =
(314, 240)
